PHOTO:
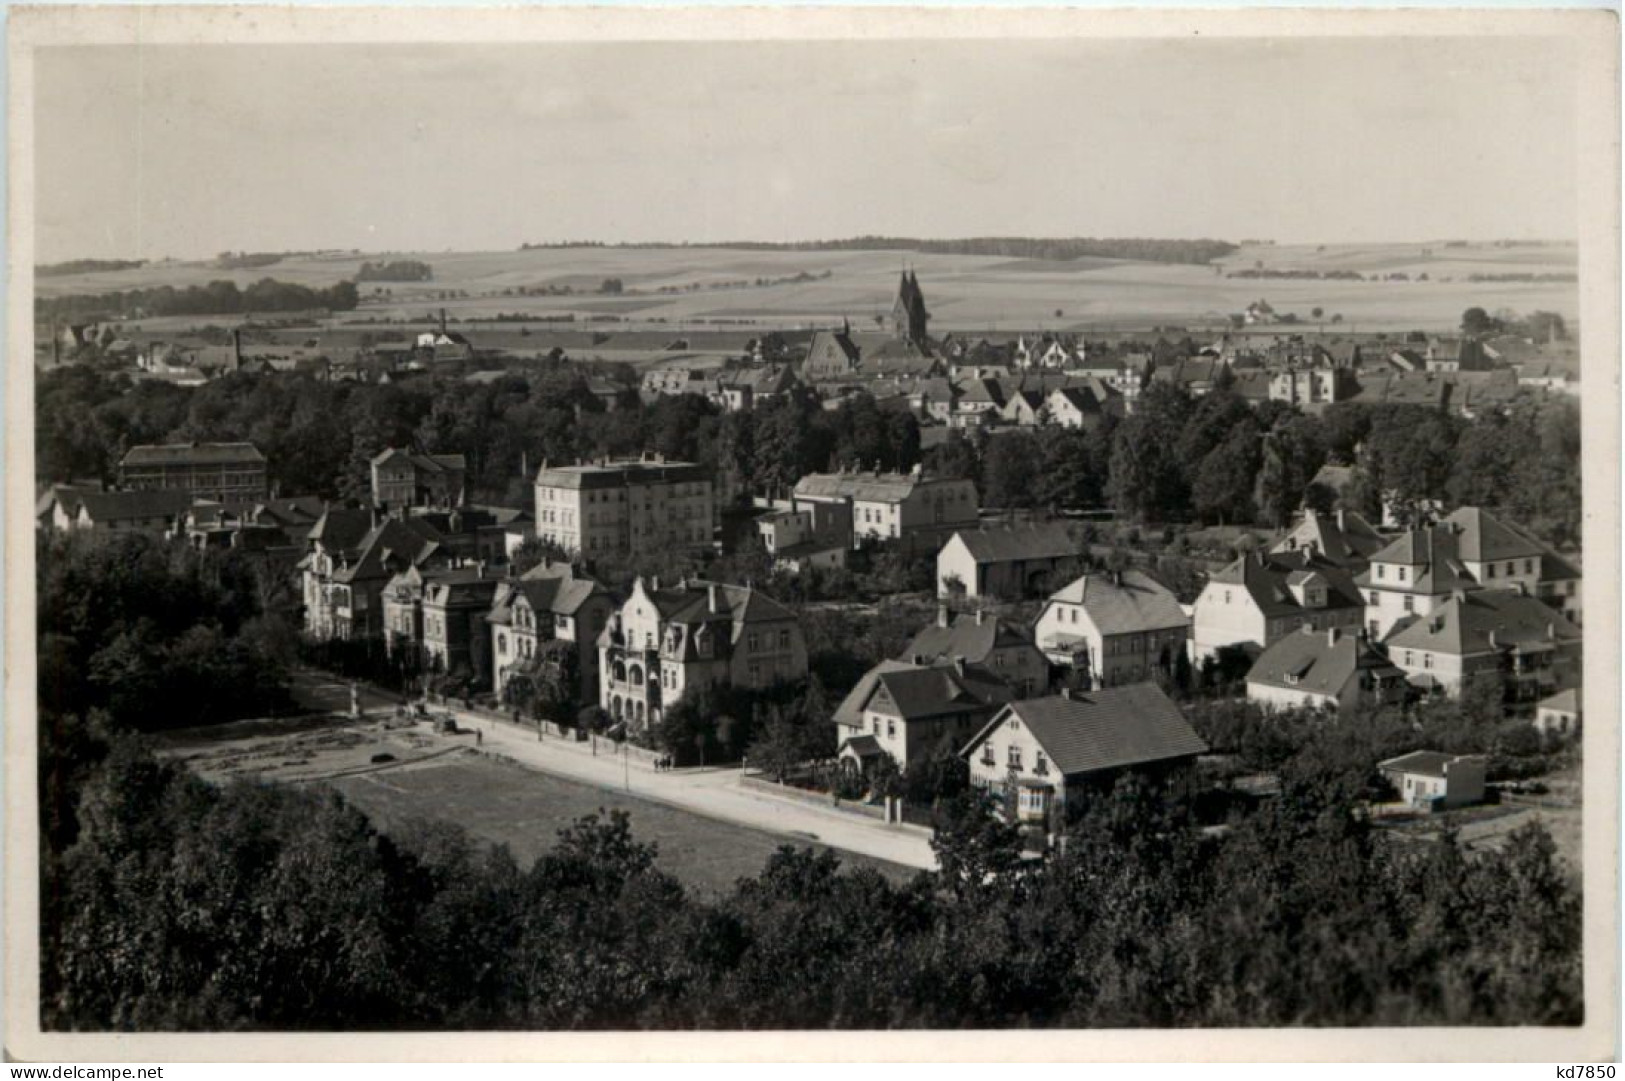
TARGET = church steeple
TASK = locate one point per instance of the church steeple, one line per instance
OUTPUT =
(908, 316)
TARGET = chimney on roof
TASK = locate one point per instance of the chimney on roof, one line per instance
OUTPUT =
(1341, 520)
(942, 615)
(654, 583)
(1458, 595)
(980, 616)
(1332, 635)
(1551, 631)
(959, 665)
(713, 601)
(1494, 643)
(442, 320)
(918, 659)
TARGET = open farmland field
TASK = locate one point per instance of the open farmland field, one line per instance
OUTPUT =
(501, 803)
(714, 285)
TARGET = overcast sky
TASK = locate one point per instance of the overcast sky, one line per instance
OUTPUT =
(192, 150)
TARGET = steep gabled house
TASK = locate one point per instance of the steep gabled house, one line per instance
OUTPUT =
(1330, 669)
(550, 603)
(1013, 561)
(1470, 549)
(1506, 635)
(404, 478)
(1053, 753)
(1344, 538)
(663, 642)
(1262, 597)
(832, 357)
(986, 642)
(353, 555)
(1111, 628)
(909, 711)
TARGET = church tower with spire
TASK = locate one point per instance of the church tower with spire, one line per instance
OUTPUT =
(908, 314)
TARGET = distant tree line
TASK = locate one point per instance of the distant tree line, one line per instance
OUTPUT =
(1147, 249)
(1301, 275)
(215, 298)
(398, 270)
(85, 266)
(246, 260)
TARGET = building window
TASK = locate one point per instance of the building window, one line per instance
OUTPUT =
(891, 728)
(784, 640)
(1490, 570)
(1015, 757)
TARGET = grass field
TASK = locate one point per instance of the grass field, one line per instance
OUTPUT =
(501, 803)
(963, 291)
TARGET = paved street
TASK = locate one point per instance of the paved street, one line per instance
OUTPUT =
(716, 793)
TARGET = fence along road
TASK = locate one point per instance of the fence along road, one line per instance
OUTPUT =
(713, 792)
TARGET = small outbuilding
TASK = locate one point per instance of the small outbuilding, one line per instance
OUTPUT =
(1432, 781)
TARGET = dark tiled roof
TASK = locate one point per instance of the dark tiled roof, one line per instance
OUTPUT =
(967, 638)
(1484, 537)
(1110, 728)
(1319, 662)
(864, 746)
(933, 692)
(1266, 577)
(1345, 538)
(850, 711)
(119, 506)
(869, 487)
(193, 454)
(617, 473)
(1485, 620)
(1126, 604)
(1049, 540)
(1428, 763)
(341, 529)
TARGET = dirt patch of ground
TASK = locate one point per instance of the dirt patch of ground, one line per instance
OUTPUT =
(300, 749)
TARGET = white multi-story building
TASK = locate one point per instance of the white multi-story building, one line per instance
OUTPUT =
(917, 511)
(625, 507)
